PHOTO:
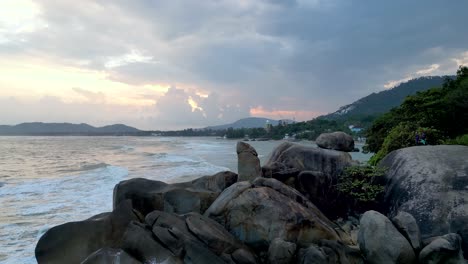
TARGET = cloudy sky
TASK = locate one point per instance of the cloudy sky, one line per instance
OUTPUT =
(174, 64)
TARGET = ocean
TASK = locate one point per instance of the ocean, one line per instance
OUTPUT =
(47, 181)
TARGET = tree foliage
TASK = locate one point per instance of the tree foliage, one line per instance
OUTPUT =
(362, 187)
(442, 113)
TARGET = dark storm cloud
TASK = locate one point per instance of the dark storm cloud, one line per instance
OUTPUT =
(309, 55)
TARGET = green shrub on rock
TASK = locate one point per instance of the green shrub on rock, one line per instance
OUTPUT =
(461, 140)
(362, 188)
(404, 135)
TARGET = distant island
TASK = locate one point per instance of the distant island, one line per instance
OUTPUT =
(68, 129)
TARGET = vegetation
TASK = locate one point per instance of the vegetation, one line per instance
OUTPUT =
(362, 187)
(461, 140)
(441, 113)
(376, 104)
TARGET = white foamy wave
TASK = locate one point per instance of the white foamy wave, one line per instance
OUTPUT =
(166, 159)
(51, 202)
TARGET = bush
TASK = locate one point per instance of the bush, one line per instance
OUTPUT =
(461, 140)
(362, 187)
(404, 135)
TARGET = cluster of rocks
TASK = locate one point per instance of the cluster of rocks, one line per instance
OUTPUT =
(278, 213)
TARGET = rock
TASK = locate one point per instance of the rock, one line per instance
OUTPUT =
(312, 255)
(248, 164)
(318, 187)
(408, 227)
(336, 140)
(289, 159)
(331, 252)
(110, 256)
(445, 249)
(73, 242)
(258, 213)
(430, 183)
(281, 252)
(315, 171)
(197, 239)
(380, 241)
(195, 196)
(139, 242)
(243, 256)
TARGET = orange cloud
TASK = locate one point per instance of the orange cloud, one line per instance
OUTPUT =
(299, 115)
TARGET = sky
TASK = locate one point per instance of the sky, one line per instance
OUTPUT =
(178, 64)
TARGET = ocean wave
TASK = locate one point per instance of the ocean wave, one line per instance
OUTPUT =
(51, 202)
(165, 158)
(82, 168)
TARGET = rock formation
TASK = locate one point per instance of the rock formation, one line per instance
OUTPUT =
(336, 140)
(430, 183)
(381, 243)
(248, 167)
(256, 213)
(73, 242)
(195, 196)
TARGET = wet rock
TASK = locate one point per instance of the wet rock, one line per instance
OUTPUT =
(73, 242)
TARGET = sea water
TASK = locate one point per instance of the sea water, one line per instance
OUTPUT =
(47, 181)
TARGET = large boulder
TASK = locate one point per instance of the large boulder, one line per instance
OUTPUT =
(194, 238)
(430, 183)
(110, 256)
(330, 252)
(281, 252)
(256, 213)
(138, 241)
(289, 159)
(380, 241)
(313, 171)
(336, 140)
(248, 164)
(408, 227)
(443, 250)
(180, 198)
(73, 242)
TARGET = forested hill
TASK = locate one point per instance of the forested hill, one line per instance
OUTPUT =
(39, 128)
(249, 122)
(381, 102)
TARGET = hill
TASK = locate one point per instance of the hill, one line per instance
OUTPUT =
(250, 122)
(381, 102)
(39, 128)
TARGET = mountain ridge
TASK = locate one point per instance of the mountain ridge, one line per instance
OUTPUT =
(41, 128)
(383, 101)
